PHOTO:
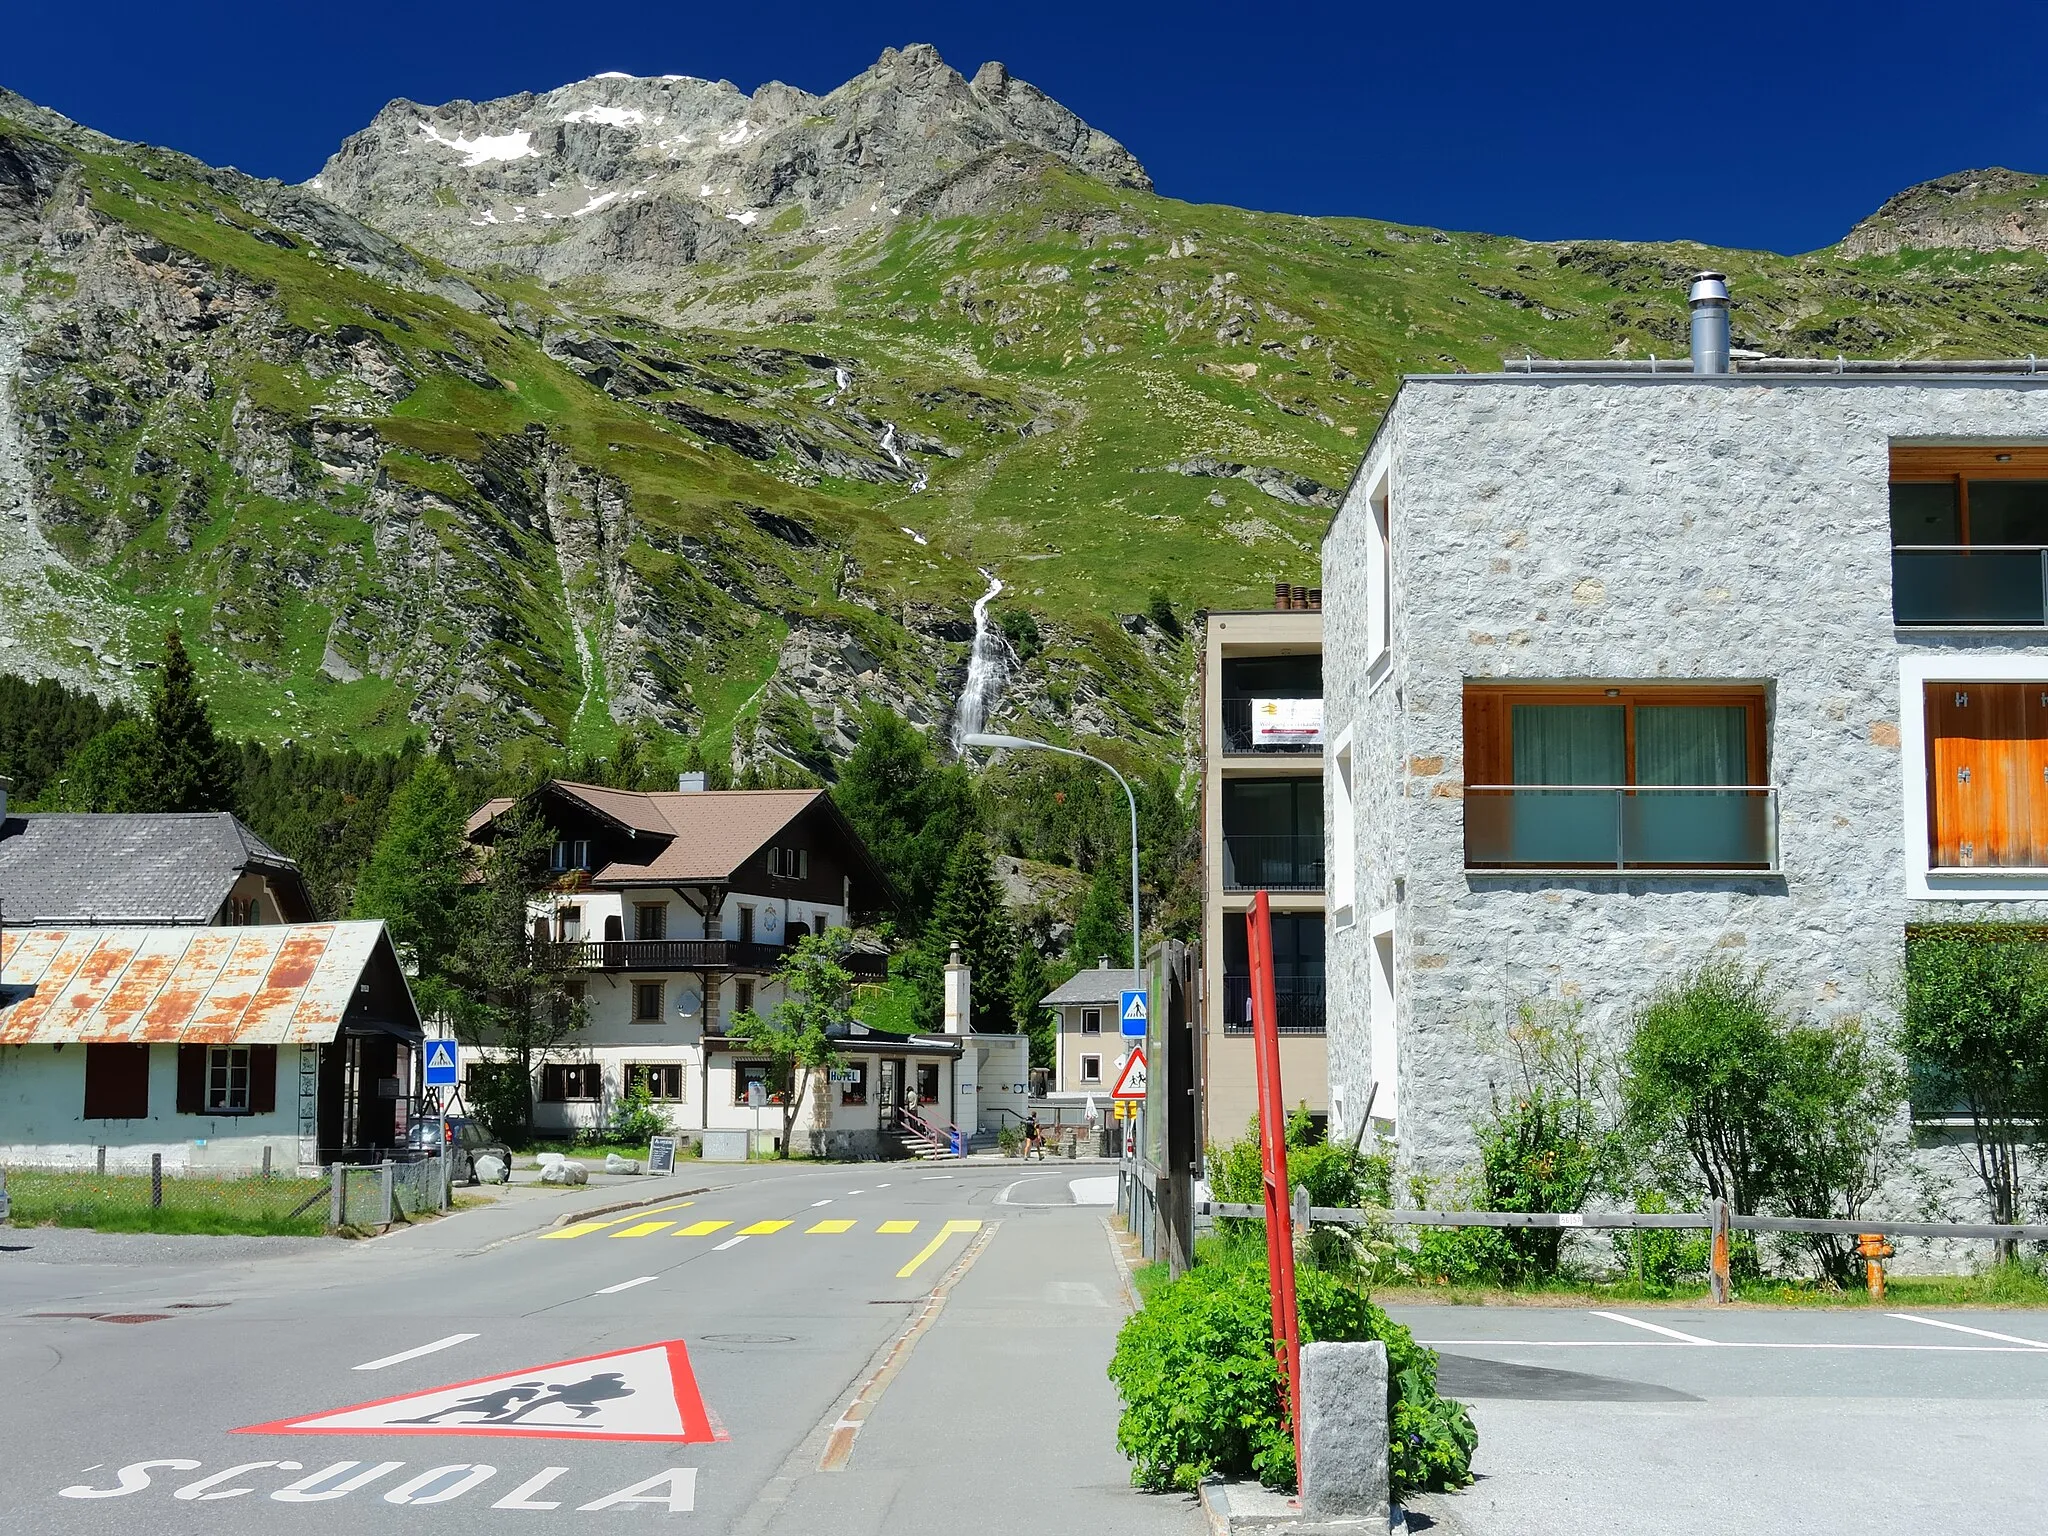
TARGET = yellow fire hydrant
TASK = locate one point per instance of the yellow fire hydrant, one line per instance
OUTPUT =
(1874, 1250)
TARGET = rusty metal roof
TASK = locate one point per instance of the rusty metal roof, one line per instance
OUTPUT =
(282, 984)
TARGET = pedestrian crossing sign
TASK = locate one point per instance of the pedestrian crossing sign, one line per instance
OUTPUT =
(1132, 1013)
(645, 1393)
(442, 1071)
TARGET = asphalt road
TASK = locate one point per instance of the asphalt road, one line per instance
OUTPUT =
(850, 1349)
(1654, 1420)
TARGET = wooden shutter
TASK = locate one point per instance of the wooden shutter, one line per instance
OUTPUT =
(262, 1079)
(1987, 775)
(191, 1079)
(117, 1082)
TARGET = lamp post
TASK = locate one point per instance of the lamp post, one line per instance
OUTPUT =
(1021, 743)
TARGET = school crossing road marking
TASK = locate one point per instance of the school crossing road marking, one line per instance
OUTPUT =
(413, 1354)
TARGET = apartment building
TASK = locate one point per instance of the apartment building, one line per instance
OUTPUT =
(1632, 666)
(1262, 830)
(675, 909)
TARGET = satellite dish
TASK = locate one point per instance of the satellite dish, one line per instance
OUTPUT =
(689, 1002)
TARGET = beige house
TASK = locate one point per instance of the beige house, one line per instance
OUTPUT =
(1262, 829)
(1089, 1047)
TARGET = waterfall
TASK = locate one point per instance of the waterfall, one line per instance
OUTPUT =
(984, 668)
(918, 478)
(842, 381)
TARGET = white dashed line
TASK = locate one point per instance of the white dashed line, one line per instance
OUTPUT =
(626, 1285)
(413, 1354)
(816, 1203)
(1669, 1333)
(1982, 1333)
(881, 1186)
(730, 1242)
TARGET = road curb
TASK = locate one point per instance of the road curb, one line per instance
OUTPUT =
(1245, 1507)
(570, 1218)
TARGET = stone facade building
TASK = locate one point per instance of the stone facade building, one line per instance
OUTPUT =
(1627, 671)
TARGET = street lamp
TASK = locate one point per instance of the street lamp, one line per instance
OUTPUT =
(1022, 744)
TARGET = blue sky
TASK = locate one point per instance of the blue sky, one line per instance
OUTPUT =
(1752, 125)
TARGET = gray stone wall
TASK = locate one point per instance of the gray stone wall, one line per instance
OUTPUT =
(1646, 529)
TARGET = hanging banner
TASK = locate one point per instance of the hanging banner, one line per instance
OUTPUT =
(1287, 722)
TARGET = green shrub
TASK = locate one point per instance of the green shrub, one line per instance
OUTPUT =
(1661, 1258)
(1201, 1389)
(636, 1118)
(1009, 1140)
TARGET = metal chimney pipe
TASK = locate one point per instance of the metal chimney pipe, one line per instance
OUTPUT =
(1709, 299)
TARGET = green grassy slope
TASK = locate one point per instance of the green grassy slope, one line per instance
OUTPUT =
(376, 510)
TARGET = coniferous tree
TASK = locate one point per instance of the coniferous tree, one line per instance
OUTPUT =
(1030, 981)
(909, 811)
(189, 770)
(414, 880)
(970, 911)
(1103, 927)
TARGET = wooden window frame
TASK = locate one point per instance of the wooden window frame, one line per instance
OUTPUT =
(1959, 464)
(660, 990)
(652, 1073)
(1489, 753)
(1088, 1014)
(554, 1078)
(641, 920)
(852, 1093)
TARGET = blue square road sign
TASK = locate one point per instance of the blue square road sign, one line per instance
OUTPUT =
(442, 1065)
(1131, 1013)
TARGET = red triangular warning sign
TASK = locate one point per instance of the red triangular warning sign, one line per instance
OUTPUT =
(1130, 1083)
(645, 1393)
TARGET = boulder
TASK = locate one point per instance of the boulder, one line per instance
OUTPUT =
(562, 1171)
(491, 1170)
(549, 1159)
(613, 1163)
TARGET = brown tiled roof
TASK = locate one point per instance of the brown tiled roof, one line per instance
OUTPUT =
(705, 834)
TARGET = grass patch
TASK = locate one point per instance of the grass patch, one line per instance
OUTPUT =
(121, 1203)
(1147, 1278)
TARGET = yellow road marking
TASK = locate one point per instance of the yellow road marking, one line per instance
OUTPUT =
(701, 1228)
(763, 1228)
(935, 1245)
(643, 1228)
(585, 1228)
(892, 1227)
(830, 1226)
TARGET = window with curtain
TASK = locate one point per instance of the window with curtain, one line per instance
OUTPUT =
(1617, 776)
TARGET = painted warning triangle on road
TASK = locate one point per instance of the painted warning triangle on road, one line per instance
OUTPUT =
(1130, 1083)
(645, 1393)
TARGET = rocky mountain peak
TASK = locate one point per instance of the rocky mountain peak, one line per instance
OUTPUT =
(1988, 210)
(630, 177)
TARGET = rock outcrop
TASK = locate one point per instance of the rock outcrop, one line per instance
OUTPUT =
(1988, 210)
(634, 177)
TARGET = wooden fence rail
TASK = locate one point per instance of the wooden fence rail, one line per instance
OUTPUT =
(1638, 1220)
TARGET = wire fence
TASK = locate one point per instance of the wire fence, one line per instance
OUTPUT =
(136, 1196)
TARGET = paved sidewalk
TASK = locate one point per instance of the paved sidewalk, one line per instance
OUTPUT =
(1002, 1421)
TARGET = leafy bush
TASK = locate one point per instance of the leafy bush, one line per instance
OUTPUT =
(1767, 1111)
(1548, 1139)
(1009, 1140)
(636, 1118)
(500, 1095)
(1661, 1258)
(1201, 1389)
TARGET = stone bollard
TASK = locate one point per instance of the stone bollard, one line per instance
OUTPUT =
(1344, 1432)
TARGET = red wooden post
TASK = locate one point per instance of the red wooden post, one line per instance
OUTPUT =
(1273, 1163)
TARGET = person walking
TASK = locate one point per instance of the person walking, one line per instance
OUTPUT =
(1031, 1137)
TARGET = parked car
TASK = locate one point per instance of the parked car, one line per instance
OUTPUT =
(467, 1141)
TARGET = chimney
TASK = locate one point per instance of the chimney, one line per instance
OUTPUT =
(1283, 595)
(958, 994)
(1709, 298)
(690, 783)
(1315, 599)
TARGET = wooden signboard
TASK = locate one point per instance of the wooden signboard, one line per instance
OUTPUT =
(661, 1156)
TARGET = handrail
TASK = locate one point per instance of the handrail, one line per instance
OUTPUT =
(1608, 789)
(1953, 549)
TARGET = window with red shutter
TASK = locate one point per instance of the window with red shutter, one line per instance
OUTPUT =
(191, 1079)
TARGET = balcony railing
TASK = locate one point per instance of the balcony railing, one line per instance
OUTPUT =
(1273, 725)
(685, 955)
(1280, 861)
(1970, 584)
(1298, 1001)
(1648, 827)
